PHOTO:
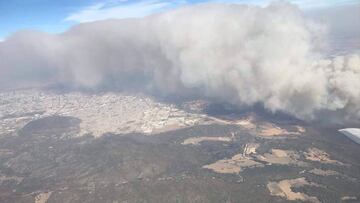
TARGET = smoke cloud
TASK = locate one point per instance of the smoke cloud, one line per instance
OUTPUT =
(243, 55)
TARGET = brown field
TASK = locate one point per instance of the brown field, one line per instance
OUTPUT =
(284, 189)
(315, 154)
(42, 197)
(233, 165)
(321, 172)
(278, 156)
(197, 140)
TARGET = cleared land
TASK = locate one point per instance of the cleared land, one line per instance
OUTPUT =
(321, 172)
(283, 157)
(315, 154)
(198, 140)
(284, 189)
(42, 197)
(234, 165)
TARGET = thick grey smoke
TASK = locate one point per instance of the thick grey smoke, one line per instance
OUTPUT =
(244, 55)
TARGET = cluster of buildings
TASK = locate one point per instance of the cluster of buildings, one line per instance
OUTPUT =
(99, 113)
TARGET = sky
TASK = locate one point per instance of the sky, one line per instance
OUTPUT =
(57, 16)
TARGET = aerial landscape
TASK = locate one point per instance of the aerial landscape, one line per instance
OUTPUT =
(180, 101)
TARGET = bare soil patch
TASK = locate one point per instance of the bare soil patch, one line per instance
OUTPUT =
(284, 189)
(42, 197)
(315, 154)
(198, 140)
(234, 165)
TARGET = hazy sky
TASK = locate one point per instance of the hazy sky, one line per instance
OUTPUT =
(56, 16)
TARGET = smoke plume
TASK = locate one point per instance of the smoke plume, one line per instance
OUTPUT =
(243, 55)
